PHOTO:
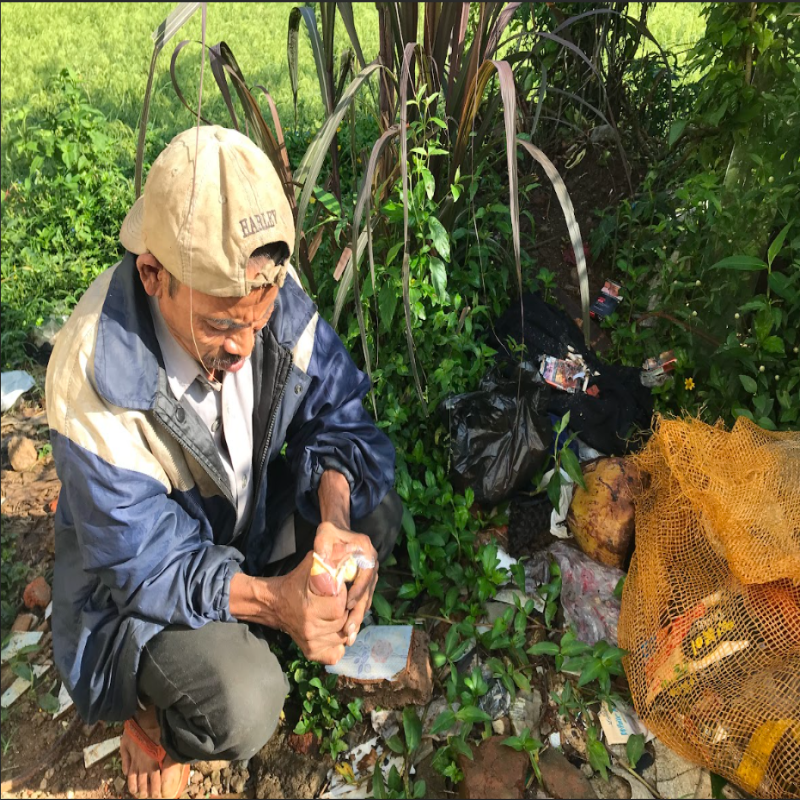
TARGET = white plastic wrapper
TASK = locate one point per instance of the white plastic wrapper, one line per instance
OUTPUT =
(13, 385)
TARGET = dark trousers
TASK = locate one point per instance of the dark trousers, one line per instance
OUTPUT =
(219, 689)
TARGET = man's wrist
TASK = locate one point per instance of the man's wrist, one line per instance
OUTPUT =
(256, 599)
(334, 499)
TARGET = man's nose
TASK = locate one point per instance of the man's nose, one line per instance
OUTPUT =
(240, 343)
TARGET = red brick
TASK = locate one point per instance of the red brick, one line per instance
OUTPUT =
(37, 593)
(496, 771)
(561, 779)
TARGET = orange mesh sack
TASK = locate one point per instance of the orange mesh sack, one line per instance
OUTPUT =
(711, 607)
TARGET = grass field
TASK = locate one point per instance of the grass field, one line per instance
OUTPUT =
(109, 45)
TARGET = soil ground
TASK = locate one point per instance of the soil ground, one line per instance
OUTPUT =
(42, 756)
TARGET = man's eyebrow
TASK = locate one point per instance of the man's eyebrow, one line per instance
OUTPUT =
(231, 324)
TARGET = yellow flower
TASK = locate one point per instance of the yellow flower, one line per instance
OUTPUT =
(689, 384)
(313, 199)
(338, 147)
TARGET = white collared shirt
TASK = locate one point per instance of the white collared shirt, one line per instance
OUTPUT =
(225, 407)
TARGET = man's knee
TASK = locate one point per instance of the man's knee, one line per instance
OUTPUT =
(251, 707)
(219, 690)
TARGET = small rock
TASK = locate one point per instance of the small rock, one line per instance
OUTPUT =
(561, 780)
(526, 711)
(237, 784)
(207, 783)
(587, 770)
(22, 453)
(678, 777)
(499, 726)
(227, 772)
(24, 622)
(70, 793)
(497, 771)
(119, 784)
(615, 788)
(37, 593)
(303, 743)
(49, 774)
(43, 784)
(196, 777)
(216, 777)
(205, 768)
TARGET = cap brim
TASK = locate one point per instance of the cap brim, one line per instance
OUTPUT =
(131, 234)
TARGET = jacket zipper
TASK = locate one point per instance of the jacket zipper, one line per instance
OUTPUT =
(268, 441)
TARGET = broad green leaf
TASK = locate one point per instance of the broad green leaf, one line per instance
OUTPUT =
(382, 606)
(634, 749)
(554, 490)
(412, 728)
(441, 241)
(460, 747)
(387, 304)
(471, 714)
(749, 384)
(514, 742)
(776, 245)
(395, 744)
(571, 465)
(598, 755)
(592, 672)
(544, 649)
(429, 182)
(676, 130)
(48, 703)
(741, 263)
(444, 722)
(378, 788)
(773, 344)
(439, 278)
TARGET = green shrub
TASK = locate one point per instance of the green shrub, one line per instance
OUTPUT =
(65, 194)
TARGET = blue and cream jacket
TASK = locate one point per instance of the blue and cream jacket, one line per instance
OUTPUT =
(145, 519)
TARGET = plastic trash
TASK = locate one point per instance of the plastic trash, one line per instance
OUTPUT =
(613, 410)
(12, 386)
(499, 437)
(558, 518)
(587, 591)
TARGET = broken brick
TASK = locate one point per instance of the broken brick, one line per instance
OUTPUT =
(37, 593)
(412, 686)
(24, 622)
(561, 779)
(305, 743)
(22, 453)
(495, 771)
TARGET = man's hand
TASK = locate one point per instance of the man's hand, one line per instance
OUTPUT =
(315, 623)
(335, 545)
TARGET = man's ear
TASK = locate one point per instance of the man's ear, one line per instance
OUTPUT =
(152, 274)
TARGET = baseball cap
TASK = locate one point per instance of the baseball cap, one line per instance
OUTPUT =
(203, 225)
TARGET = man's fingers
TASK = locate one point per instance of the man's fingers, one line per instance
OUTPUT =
(133, 784)
(126, 760)
(360, 586)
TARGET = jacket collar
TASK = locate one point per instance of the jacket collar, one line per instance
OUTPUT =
(127, 356)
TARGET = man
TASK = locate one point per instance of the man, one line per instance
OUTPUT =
(183, 526)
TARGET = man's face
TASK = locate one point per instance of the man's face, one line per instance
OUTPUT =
(219, 332)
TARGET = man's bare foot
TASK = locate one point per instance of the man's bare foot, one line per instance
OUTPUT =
(145, 778)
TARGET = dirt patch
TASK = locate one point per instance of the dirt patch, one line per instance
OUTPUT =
(281, 772)
(529, 525)
(596, 182)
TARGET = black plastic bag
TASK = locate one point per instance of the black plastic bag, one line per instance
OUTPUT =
(498, 436)
(623, 408)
